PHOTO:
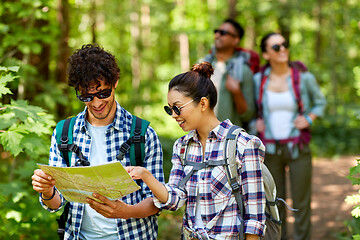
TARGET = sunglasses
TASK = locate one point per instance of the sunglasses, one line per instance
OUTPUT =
(89, 97)
(277, 47)
(224, 32)
(176, 109)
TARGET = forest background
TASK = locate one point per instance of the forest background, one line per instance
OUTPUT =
(153, 40)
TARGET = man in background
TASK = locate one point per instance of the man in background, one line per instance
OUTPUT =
(233, 75)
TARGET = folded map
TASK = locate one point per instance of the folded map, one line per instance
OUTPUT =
(78, 183)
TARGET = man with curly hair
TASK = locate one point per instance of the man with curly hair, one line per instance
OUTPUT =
(99, 131)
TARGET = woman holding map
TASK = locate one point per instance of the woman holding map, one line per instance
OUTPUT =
(211, 210)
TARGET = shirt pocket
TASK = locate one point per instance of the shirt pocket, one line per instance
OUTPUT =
(219, 187)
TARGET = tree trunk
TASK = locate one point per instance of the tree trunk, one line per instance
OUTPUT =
(232, 9)
(63, 51)
(318, 40)
(63, 46)
(135, 53)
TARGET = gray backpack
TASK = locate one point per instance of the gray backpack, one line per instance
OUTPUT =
(273, 223)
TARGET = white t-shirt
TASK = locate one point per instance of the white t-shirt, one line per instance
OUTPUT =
(281, 112)
(95, 225)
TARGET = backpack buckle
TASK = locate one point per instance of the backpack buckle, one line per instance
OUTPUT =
(235, 186)
(63, 147)
(73, 147)
(136, 138)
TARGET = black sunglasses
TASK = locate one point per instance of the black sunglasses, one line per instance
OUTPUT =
(176, 109)
(224, 32)
(277, 47)
(89, 97)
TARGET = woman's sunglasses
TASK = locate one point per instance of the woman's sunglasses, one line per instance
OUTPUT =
(277, 47)
(176, 109)
(89, 97)
(224, 32)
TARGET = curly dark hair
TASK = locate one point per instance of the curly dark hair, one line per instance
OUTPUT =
(90, 64)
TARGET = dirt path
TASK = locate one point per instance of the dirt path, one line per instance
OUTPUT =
(330, 187)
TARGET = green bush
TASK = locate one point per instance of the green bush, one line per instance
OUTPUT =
(24, 140)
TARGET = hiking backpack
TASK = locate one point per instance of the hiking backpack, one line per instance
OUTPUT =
(272, 222)
(135, 145)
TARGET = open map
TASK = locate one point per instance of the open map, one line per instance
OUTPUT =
(77, 183)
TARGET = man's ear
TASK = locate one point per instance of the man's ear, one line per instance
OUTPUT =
(115, 86)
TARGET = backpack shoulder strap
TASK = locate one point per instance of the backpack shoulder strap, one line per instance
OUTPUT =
(136, 142)
(295, 76)
(65, 127)
(231, 168)
(66, 144)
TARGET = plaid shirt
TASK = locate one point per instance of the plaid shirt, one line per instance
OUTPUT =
(117, 133)
(219, 210)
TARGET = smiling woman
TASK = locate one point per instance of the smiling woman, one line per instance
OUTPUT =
(211, 210)
(289, 100)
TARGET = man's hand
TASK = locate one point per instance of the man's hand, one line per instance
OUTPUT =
(233, 86)
(43, 183)
(119, 209)
(110, 209)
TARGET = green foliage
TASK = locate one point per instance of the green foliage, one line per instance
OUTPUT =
(144, 36)
(353, 225)
(24, 133)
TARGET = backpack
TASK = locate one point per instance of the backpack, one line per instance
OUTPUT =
(253, 61)
(135, 145)
(272, 222)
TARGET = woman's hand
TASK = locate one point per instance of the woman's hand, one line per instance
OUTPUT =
(301, 122)
(137, 172)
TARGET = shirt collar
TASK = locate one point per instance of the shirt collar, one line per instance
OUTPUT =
(219, 132)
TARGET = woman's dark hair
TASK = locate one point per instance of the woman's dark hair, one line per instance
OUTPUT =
(264, 40)
(91, 64)
(196, 83)
(238, 28)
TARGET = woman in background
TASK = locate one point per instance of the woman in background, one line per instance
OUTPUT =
(289, 100)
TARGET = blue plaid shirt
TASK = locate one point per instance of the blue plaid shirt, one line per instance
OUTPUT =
(117, 133)
(219, 210)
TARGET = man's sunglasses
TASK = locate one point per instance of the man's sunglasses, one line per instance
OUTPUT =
(277, 47)
(224, 32)
(176, 109)
(89, 97)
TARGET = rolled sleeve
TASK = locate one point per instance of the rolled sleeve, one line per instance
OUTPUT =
(176, 199)
(253, 187)
(63, 201)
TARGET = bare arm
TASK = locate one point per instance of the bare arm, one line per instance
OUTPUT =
(158, 189)
(44, 184)
(119, 209)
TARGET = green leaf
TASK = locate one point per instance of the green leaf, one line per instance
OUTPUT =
(3, 81)
(11, 141)
(23, 110)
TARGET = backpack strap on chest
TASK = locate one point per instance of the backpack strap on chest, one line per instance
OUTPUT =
(66, 144)
(196, 165)
(136, 142)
